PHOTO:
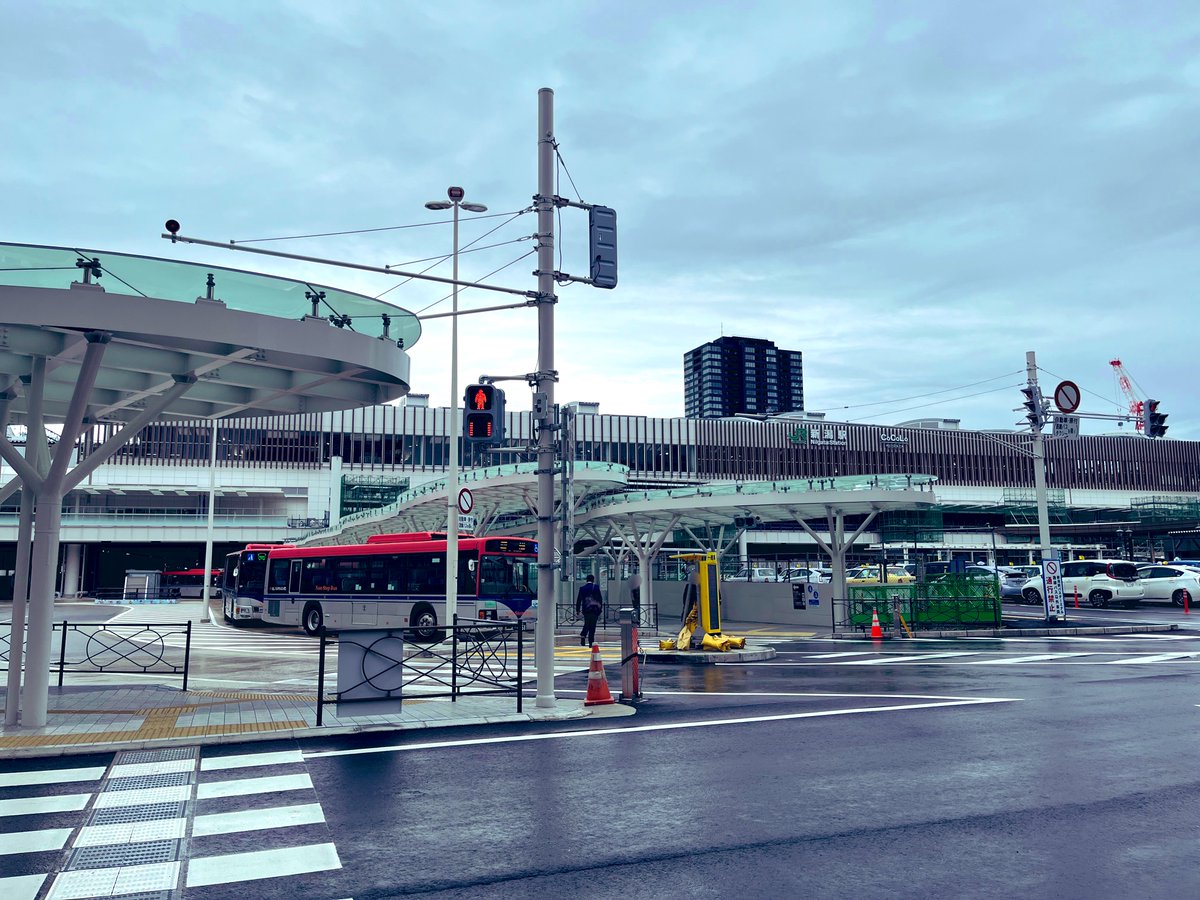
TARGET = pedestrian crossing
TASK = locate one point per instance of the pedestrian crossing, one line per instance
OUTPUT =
(1077, 649)
(173, 822)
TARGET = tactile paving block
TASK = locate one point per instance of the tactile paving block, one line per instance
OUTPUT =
(145, 756)
(147, 813)
(123, 855)
(139, 782)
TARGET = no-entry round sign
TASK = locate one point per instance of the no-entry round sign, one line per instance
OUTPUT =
(1066, 397)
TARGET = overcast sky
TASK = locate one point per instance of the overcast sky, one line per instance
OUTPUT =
(912, 194)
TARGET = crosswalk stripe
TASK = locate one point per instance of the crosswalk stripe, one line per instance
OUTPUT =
(257, 819)
(1015, 660)
(240, 786)
(34, 841)
(916, 657)
(247, 760)
(21, 887)
(257, 864)
(144, 797)
(165, 767)
(51, 776)
(29, 806)
(110, 882)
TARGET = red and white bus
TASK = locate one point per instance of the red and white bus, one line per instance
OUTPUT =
(399, 580)
(188, 583)
(242, 583)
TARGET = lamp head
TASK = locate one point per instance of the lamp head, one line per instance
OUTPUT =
(473, 207)
(438, 204)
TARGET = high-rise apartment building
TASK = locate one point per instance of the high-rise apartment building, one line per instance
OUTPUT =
(742, 375)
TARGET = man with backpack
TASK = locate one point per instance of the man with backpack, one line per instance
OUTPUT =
(589, 602)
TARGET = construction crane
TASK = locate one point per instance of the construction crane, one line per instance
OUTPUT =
(1137, 408)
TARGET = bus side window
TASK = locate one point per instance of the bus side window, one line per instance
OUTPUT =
(295, 579)
(277, 581)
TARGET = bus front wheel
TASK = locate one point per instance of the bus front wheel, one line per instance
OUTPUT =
(424, 620)
(313, 619)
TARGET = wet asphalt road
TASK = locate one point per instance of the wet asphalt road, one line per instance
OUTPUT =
(1044, 767)
(760, 780)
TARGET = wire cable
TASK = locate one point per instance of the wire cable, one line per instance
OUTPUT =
(1006, 387)
(297, 237)
(1117, 404)
(107, 271)
(488, 275)
(918, 396)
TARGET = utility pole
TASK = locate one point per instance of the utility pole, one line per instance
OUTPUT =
(1036, 407)
(544, 384)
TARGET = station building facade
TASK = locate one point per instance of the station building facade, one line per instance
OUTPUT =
(278, 479)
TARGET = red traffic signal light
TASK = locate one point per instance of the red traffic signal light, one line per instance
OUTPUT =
(483, 413)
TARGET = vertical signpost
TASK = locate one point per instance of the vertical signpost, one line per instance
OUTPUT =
(1052, 587)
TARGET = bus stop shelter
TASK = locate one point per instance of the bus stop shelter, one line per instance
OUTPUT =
(92, 336)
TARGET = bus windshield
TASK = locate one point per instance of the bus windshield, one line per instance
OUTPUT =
(507, 576)
(252, 571)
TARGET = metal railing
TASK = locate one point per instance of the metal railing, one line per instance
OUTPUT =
(125, 648)
(566, 617)
(481, 657)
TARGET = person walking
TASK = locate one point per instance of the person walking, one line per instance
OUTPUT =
(589, 602)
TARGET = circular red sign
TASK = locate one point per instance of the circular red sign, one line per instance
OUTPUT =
(466, 502)
(1066, 397)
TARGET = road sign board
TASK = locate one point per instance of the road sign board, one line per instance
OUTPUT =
(1053, 587)
(467, 524)
(1066, 396)
(466, 501)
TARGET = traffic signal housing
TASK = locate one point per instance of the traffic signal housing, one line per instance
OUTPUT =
(602, 240)
(483, 414)
(1035, 407)
(1156, 422)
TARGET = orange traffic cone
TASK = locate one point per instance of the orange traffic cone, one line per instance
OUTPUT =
(876, 631)
(598, 693)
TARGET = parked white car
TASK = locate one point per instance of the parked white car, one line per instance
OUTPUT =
(755, 573)
(1165, 582)
(1101, 582)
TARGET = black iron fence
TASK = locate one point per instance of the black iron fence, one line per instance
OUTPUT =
(566, 617)
(474, 657)
(110, 648)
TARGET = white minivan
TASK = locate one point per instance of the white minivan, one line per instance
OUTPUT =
(1101, 582)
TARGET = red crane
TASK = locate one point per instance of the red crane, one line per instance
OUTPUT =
(1137, 407)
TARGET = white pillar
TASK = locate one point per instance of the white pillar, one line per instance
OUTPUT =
(72, 559)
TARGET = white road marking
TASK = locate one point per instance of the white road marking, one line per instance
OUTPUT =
(28, 806)
(257, 819)
(913, 657)
(261, 864)
(34, 841)
(51, 776)
(835, 655)
(241, 786)
(21, 887)
(1161, 657)
(246, 760)
(605, 732)
(1016, 660)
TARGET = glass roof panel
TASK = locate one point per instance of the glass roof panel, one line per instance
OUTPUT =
(30, 265)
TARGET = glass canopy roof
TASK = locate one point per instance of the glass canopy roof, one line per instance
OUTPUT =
(31, 265)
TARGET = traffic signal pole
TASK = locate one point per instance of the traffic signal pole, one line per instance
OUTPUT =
(545, 378)
(1039, 474)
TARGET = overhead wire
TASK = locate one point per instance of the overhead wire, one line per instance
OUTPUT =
(924, 394)
(297, 237)
(1119, 405)
(1005, 387)
(480, 278)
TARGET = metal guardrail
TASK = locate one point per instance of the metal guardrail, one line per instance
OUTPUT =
(479, 654)
(565, 616)
(124, 648)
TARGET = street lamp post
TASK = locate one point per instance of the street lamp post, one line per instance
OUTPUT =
(455, 202)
